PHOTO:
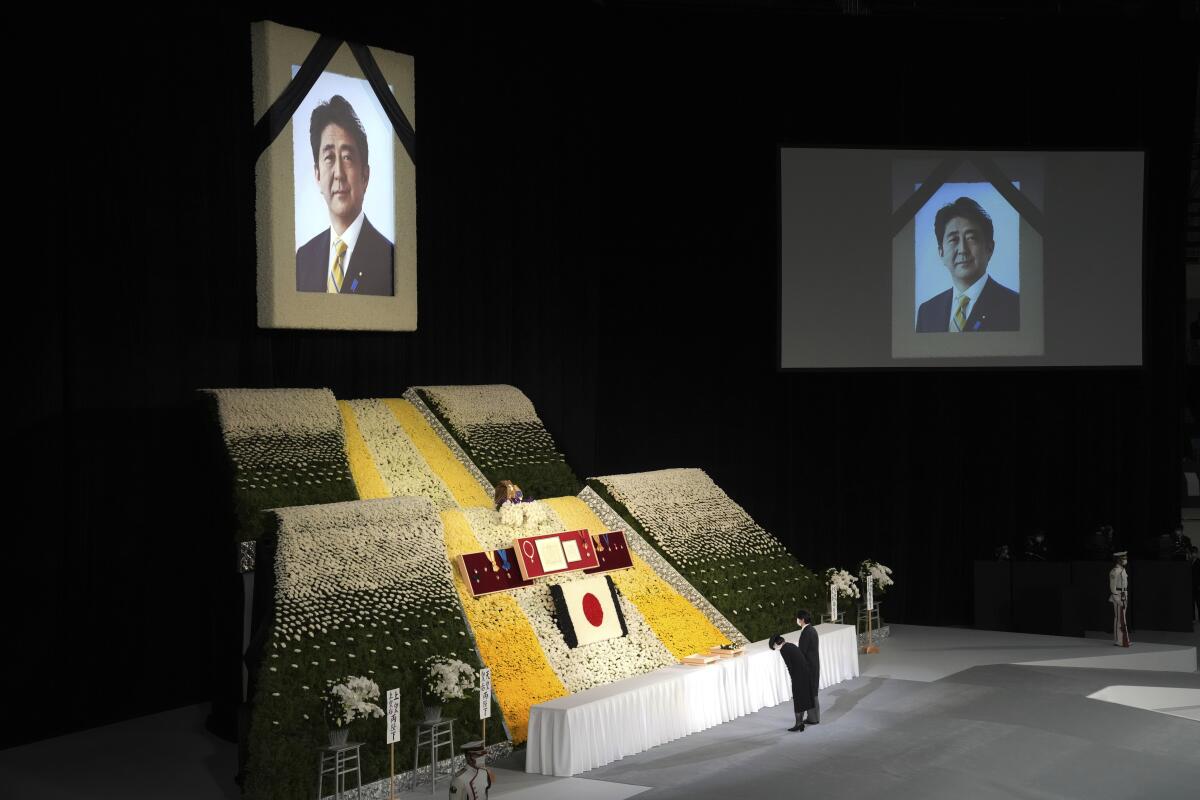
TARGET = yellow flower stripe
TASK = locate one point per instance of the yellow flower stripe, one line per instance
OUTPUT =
(521, 675)
(466, 490)
(677, 623)
(367, 480)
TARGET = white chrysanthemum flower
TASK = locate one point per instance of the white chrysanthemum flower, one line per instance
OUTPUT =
(448, 679)
(531, 516)
(400, 463)
(880, 573)
(841, 580)
(351, 700)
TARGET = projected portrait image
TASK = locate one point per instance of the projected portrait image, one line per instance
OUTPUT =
(335, 183)
(344, 191)
(967, 262)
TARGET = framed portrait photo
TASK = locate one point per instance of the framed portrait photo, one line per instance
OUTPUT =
(968, 260)
(335, 188)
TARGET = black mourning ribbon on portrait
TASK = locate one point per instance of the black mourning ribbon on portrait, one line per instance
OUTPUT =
(1024, 206)
(920, 197)
(991, 173)
(404, 129)
(272, 123)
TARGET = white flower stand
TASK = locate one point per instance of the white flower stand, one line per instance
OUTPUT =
(869, 623)
(433, 735)
(340, 761)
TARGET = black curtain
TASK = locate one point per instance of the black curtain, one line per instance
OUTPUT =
(597, 225)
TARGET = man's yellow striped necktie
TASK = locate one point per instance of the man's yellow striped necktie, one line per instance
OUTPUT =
(960, 316)
(334, 283)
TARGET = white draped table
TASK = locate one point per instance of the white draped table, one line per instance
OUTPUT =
(583, 731)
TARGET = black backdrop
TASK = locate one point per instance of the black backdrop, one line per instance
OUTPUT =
(597, 225)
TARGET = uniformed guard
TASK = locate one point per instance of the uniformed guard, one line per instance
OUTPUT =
(1118, 595)
(473, 781)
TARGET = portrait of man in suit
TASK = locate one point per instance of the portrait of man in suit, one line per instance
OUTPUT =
(975, 302)
(350, 256)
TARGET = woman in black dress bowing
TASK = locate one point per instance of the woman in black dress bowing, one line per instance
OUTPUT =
(798, 669)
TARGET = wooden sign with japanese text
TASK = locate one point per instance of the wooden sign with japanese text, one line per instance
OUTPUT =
(393, 716)
(485, 693)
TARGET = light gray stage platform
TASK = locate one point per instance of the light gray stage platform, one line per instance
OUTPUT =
(919, 653)
(940, 713)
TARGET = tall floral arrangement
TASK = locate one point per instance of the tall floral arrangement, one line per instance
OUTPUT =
(349, 699)
(285, 447)
(744, 572)
(447, 678)
(499, 430)
(881, 574)
(845, 583)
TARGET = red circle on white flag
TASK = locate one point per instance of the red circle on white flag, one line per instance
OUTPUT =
(592, 609)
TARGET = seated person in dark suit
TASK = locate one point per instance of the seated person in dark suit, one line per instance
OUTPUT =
(351, 257)
(976, 301)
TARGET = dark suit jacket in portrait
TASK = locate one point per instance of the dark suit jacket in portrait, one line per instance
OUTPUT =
(370, 270)
(997, 309)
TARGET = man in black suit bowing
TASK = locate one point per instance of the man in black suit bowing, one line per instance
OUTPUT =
(976, 302)
(351, 256)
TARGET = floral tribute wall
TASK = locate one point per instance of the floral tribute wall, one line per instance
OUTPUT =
(740, 568)
(367, 587)
(285, 447)
(518, 634)
(360, 588)
(500, 432)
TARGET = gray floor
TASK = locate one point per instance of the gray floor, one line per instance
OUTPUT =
(920, 653)
(168, 755)
(941, 712)
(997, 731)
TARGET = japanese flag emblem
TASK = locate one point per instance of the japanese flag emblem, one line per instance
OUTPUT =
(588, 610)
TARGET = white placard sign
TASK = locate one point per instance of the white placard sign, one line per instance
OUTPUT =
(393, 716)
(870, 593)
(485, 693)
(832, 603)
(572, 550)
(550, 551)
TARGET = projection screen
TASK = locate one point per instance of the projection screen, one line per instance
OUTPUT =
(958, 258)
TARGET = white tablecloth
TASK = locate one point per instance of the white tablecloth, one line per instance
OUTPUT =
(583, 731)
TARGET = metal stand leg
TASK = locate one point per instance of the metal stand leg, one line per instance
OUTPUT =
(412, 782)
